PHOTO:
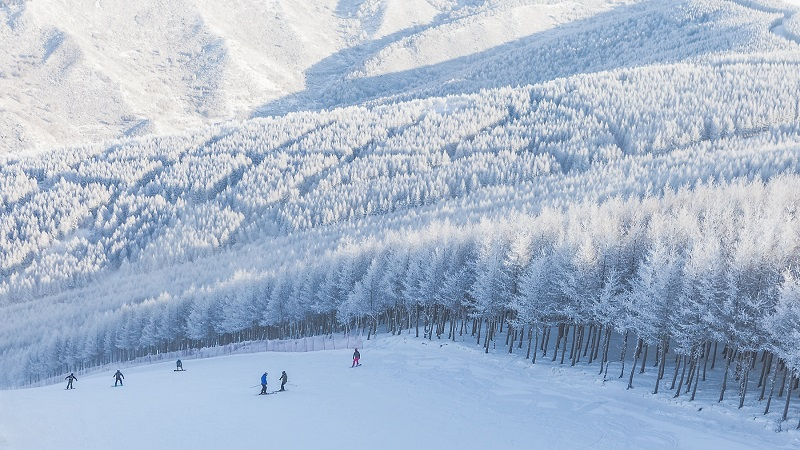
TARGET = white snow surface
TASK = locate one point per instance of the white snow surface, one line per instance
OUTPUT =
(73, 73)
(409, 393)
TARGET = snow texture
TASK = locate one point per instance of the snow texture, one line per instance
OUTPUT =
(408, 393)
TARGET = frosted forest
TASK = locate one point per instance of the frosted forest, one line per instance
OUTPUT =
(619, 191)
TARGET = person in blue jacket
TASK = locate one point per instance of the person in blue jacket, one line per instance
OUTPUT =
(263, 384)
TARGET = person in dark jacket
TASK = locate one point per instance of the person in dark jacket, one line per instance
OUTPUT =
(263, 384)
(356, 357)
(179, 365)
(70, 378)
(118, 377)
(284, 378)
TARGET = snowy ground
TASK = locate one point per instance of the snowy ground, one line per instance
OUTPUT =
(409, 393)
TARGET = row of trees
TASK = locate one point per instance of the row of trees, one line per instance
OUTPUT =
(714, 267)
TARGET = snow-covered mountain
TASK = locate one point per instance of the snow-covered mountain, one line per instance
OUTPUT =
(177, 175)
(79, 72)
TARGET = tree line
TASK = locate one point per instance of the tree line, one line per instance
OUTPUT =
(701, 277)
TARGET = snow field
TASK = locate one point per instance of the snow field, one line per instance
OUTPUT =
(409, 393)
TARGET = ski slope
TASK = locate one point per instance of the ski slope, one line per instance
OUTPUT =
(409, 393)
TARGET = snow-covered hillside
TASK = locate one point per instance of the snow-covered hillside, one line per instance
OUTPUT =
(180, 175)
(83, 72)
(73, 73)
(408, 393)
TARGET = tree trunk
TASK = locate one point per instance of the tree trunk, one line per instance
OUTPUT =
(683, 372)
(705, 358)
(416, 308)
(728, 358)
(788, 395)
(604, 358)
(713, 358)
(599, 339)
(622, 354)
(530, 339)
(783, 381)
(545, 339)
(694, 360)
(489, 329)
(581, 338)
(572, 349)
(678, 364)
(577, 339)
(590, 338)
(635, 360)
(748, 356)
(644, 360)
(662, 360)
(697, 378)
(772, 388)
(764, 375)
(558, 340)
(510, 347)
(764, 359)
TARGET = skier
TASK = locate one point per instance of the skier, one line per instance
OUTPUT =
(263, 384)
(70, 378)
(356, 357)
(179, 364)
(284, 378)
(118, 377)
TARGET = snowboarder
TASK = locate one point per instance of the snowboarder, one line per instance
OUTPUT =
(356, 357)
(179, 365)
(283, 380)
(263, 384)
(118, 377)
(70, 378)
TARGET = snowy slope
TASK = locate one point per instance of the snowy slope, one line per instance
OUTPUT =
(409, 393)
(74, 73)
(87, 71)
